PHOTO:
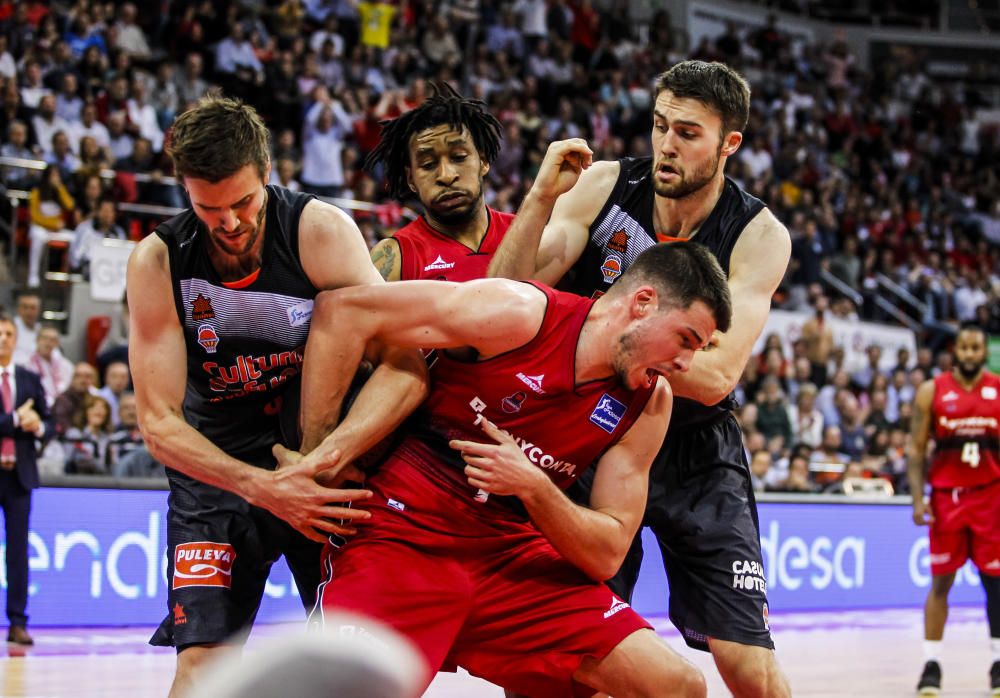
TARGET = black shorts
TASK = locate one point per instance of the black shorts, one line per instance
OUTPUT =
(219, 553)
(702, 509)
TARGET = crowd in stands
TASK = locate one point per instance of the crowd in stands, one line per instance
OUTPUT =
(880, 174)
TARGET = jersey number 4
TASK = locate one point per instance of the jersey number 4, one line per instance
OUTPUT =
(970, 453)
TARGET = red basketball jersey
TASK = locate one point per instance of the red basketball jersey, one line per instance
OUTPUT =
(530, 393)
(427, 254)
(966, 432)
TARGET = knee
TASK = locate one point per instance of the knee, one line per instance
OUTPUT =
(761, 679)
(691, 683)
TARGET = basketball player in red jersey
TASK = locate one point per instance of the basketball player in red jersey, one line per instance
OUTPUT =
(961, 411)
(441, 151)
(473, 550)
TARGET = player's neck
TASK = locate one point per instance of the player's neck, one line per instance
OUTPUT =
(681, 218)
(470, 233)
(594, 359)
(968, 383)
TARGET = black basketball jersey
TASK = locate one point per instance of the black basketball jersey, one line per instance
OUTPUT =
(245, 341)
(624, 228)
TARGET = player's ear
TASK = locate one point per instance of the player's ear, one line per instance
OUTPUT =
(731, 143)
(484, 166)
(643, 301)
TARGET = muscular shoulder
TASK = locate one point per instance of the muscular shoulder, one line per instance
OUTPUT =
(332, 250)
(599, 179)
(763, 249)
(150, 255)
(386, 258)
(320, 220)
(583, 203)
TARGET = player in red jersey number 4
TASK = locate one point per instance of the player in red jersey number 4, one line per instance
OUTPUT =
(961, 411)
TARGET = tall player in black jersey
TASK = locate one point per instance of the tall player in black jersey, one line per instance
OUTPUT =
(583, 224)
(221, 302)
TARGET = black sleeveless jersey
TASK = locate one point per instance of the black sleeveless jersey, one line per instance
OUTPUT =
(624, 228)
(244, 345)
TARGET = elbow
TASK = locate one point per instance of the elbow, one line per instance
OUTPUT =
(154, 437)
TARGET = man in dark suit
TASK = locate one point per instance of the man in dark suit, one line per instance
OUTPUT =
(24, 417)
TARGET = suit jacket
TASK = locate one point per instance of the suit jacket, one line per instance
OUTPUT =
(27, 386)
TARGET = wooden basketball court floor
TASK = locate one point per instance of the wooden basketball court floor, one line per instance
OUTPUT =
(874, 653)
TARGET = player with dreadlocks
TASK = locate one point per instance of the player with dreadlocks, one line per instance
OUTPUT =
(441, 151)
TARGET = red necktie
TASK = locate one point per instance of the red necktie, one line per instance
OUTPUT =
(7, 450)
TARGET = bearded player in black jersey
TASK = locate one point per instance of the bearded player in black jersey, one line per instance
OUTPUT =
(582, 224)
(221, 301)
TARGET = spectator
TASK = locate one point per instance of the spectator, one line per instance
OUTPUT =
(128, 35)
(760, 463)
(16, 146)
(853, 471)
(47, 123)
(102, 225)
(88, 125)
(143, 115)
(818, 338)
(829, 460)
(852, 426)
(29, 312)
(127, 451)
(54, 369)
(70, 402)
(50, 207)
(806, 420)
(116, 382)
(327, 125)
(86, 442)
(190, 84)
(863, 377)
(772, 411)
(799, 477)
(62, 156)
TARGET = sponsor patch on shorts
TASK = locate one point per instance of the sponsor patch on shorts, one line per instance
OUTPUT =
(203, 564)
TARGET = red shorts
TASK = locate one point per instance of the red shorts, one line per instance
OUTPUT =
(966, 525)
(486, 593)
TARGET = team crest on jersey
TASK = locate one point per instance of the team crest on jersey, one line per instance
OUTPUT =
(608, 413)
(512, 403)
(439, 263)
(988, 392)
(612, 268)
(767, 625)
(300, 314)
(208, 338)
(618, 241)
(201, 309)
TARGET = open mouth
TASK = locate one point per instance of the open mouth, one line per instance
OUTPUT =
(667, 171)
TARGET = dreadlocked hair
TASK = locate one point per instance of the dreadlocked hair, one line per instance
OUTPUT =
(443, 106)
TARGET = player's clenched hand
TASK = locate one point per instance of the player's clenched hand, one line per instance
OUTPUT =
(921, 512)
(499, 468)
(561, 167)
(292, 493)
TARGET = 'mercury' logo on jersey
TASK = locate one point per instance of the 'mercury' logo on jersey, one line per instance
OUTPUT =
(533, 382)
(439, 264)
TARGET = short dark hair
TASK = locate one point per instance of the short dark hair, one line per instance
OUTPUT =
(682, 273)
(443, 106)
(715, 85)
(218, 137)
(973, 326)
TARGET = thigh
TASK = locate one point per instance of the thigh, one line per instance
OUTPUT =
(424, 598)
(707, 528)
(983, 515)
(16, 503)
(218, 560)
(536, 618)
(304, 557)
(950, 537)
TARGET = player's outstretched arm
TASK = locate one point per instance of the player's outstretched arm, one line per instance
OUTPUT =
(552, 226)
(334, 255)
(594, 539)
(916, 462)
(490, 315)
(756, 267)
(158, 358)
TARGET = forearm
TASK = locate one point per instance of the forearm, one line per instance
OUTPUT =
(178, 445)
(916, 474)
(395, 389)
(515, 258)
(709, 380)
(594, 541)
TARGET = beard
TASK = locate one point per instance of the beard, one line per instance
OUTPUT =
(686, 184)
(969, 369)
(460, 215)
(253, 230)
